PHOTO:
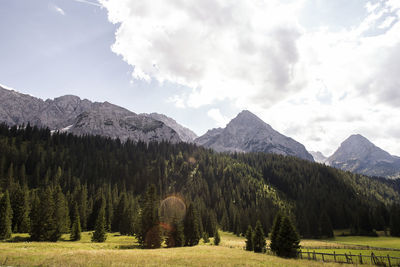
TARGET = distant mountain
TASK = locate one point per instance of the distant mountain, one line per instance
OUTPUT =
(248, 133)
(185, 134)
(358, 154)
(318, 156)
(71, 114)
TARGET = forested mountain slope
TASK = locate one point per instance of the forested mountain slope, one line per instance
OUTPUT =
(233, 190)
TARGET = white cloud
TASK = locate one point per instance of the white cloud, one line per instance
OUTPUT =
(216, 115)
(217, 48)
(317, 85)
(59, 10)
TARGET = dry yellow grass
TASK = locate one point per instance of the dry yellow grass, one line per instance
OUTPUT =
(120, 251)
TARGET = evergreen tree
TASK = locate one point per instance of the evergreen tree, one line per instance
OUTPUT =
(20, 207)
(61, 212)
(288, 239)
(217, 238)
(76, 225)
(191, 227)
(325, 226)
(176, 237)
(99, 234)
(5, 216)
(275, 231)
(259, 238)
(149, 235)
(43, 224)
(249, 239)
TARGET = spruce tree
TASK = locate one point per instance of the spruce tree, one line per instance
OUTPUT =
(288, 239)
(99, 234)
(191, 227)
(61, 212)
(275, 231)
(259, 238)
(20, 207)
(217, 238)
(76, 225)
(176, 237)
(249, 239)
(149, 235)
(5, 216)
(43, 225)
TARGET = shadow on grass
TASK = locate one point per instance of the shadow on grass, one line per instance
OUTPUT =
(17, 239)
(133, 246)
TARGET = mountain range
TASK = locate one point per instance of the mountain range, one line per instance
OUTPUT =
(71, 114)
(245, 133)
(357, 154)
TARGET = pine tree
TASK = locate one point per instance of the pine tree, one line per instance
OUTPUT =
(149, 235)
(275, 231)
(99, 234)
(5, 216)
(259, 238)
(20, 207)
(176, 237)
(288, 239)
(43, 224)
(217, 238)
(325, 226)
(61, 212)
(249, 239)
(191, 227)
(76, 225)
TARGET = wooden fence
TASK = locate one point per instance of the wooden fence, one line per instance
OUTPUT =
(350, 258)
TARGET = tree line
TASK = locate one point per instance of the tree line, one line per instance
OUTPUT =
(84, 178)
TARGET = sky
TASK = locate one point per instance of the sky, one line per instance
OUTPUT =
(315, 70)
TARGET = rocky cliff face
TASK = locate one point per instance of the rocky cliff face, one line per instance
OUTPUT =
(184, 133)
(358, 154)
(72, 114)
(248, 133)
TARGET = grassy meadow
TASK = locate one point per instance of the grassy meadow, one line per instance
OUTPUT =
(122, 251)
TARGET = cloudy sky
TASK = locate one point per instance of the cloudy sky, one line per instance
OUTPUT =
(315, 70)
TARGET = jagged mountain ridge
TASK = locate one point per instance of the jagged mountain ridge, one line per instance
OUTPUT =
(357, 154)
(248, 133)
(71, 114)
(185, 134)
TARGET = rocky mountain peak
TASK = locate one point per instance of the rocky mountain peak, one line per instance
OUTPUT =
(358, 154)
(248, 133)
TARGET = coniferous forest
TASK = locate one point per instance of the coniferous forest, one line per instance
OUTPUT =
(55, 183)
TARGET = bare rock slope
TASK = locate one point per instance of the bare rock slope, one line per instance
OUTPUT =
(357, 154)
(71, 114)
(248, 133)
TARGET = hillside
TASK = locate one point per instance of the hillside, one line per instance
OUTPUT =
(233, 190)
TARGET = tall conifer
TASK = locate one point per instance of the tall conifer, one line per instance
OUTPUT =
(99, 234)
(5, 216)
(191, 227)
(249, 239)
(76, 225)
(259, 238)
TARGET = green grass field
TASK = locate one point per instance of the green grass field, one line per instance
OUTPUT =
(122, 251)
